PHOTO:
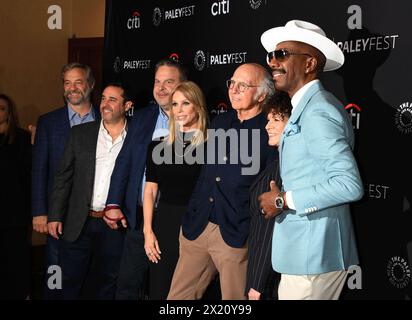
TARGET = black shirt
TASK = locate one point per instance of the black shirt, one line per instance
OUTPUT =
(175, 177)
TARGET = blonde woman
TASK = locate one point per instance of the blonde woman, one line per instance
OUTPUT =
(174, 178)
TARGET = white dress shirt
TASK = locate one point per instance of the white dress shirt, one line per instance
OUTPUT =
(106, 154)
(295, 101)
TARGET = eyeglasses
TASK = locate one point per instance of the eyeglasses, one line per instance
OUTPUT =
(282, 54)
(241, 86)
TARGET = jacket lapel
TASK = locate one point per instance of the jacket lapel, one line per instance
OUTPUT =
(91, 145)
(292, 124)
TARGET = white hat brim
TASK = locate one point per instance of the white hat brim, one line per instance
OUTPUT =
(334, 55)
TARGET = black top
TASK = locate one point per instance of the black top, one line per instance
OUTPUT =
(15, 166)
(175, 177)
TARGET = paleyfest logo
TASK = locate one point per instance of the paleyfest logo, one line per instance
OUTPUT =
(255, 4)
(398, 272)
(403, 117)
(208, 59)
(200, 60)
(117, 65)
(157, 17)
(172, 14)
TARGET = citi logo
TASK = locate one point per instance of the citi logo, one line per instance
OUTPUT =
(174, 56)
(220, 108)
(134, 21)
(220, 7)
(354, 112)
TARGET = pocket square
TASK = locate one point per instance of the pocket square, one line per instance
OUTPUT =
(291, 129)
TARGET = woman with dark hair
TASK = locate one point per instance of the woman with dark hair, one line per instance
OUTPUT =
(15, 162)
(261, 279)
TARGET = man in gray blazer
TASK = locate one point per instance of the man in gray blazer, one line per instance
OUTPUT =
(313, 242)
(79, 196)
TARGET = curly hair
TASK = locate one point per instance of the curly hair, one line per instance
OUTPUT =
(279, 103)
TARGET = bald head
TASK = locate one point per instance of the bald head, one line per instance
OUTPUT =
(262, 78)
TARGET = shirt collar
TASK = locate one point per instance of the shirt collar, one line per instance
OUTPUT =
(122, 134)
(163, 113)
(73, 113)
(301, 92)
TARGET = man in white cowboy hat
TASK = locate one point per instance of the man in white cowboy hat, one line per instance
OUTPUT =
(313, 241)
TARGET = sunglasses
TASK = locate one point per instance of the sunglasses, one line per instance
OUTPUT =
(282, 55)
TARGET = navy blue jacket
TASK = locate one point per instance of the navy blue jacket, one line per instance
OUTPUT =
(126, 181)
(52, 132)
(221, 194)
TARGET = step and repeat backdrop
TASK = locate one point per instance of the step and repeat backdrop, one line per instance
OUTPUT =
(211, 38)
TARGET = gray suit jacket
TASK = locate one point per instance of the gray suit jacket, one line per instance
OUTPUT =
(73, 183)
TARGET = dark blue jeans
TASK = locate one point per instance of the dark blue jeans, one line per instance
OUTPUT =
(52, 258)
(95, 254)
(132, 280)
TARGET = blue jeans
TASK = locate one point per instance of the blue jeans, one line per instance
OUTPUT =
(52, 258)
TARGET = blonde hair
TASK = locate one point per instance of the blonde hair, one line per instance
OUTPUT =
(194, 94)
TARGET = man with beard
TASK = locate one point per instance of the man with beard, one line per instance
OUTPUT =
(89, 248)
(52, 132)
(125, 198)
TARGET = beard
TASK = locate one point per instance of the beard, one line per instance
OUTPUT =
(83, 96)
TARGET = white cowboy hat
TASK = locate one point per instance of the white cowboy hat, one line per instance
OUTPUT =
(298, 30)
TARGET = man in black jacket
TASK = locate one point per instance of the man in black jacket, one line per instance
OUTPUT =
(79, 195)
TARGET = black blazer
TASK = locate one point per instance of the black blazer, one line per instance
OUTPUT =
(73, 183)
(261, 231)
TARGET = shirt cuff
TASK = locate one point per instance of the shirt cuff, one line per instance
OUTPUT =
(111, 206)
(289, 200)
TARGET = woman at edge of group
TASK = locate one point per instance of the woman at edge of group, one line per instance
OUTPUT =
(15, 166)
(259, 271)
(175, 182)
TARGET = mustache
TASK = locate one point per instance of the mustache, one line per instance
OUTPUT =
(107, 108)
(278, 70)
(66, 93)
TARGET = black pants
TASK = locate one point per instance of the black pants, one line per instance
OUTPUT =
(94, 255)
(15, 263)
(131, 284)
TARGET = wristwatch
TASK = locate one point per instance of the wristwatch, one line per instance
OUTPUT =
(280, 201)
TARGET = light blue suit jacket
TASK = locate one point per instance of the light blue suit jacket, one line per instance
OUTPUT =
(318, 166)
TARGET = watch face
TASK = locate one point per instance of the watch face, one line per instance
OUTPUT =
(279, 202)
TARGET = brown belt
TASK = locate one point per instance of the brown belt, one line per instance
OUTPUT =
(96, 214)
